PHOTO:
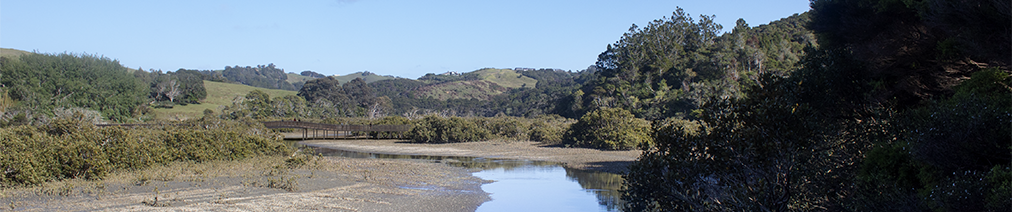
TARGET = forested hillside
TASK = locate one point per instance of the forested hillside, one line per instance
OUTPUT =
(40, 83)
(38, 86)
(898, 106)
(674, 65)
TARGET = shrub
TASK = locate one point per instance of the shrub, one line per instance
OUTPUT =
(74, 148)
(389, 120)
(505, 127)
(433, 129)
(610, 129)
(549, 129)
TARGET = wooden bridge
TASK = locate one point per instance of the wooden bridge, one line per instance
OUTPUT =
(333, 130)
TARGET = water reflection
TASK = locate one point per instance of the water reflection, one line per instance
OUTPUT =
(520, 184)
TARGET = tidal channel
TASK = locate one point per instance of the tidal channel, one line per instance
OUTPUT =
(523, 185)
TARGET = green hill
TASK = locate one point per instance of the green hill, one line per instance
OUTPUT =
(218, 94)
(481, 84)
(476, 89)
(12, 53)
(367, 76)
(505, 77)
(297, 78)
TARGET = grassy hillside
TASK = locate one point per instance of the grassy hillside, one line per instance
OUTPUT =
(294, 78)
(12, 53)
(477, 89)
(506, 78)
(218, 94)
(481, 84)
(367, 76)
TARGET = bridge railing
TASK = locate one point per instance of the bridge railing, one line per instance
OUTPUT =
(336, 127)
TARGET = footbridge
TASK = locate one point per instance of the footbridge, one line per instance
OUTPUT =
(333, 130)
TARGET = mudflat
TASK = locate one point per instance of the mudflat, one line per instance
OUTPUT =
(332, 184)
(324, 183)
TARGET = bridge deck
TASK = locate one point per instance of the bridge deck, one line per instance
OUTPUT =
(336, 127)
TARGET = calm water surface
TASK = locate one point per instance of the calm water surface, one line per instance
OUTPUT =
(522, 185)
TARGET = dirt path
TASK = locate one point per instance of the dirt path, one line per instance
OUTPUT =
(580, 158)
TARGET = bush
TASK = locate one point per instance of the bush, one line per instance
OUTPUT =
(74, 148)
(433, 129)
(390, 120)
(505, 127)
(610, 129)
(549, 129)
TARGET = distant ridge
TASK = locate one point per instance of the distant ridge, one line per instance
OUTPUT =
(12, 53)
(365, 75)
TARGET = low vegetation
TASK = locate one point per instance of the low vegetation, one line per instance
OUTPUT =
(436, 129)
(72, 147)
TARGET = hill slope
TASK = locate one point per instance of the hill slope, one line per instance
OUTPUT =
(367, 76)
(481, 84)
(12, 53)
(505, 77)
(218, 94)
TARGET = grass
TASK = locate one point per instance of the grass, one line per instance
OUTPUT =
(506, 78)
(368, 77)
(218, 94)
(479, 89)
(294, 78)
(12, 53)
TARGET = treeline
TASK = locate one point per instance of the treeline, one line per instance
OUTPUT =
(901, 106)
(261, 76)
(674, 65)
(181, 87)
(552, 95)
(40, 83)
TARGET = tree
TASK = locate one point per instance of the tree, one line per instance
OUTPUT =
(263, 76)
(326, 88)
(312, 74)
(610, 129)
(359, 92)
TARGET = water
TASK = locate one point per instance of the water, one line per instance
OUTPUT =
(522, 185)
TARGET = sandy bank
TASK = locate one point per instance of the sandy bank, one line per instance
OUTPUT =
(580, 158)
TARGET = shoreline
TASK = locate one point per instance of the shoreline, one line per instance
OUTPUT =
(325, 183)
(616, 162)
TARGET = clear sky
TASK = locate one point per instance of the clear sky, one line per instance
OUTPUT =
(387, 37)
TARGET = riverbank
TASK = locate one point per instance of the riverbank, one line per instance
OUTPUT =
(262, 184)
(324, 183)
(578, 158)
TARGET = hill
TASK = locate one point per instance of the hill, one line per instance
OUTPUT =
(505, 78)
(218, 94)
(476, 89)
(12, 53)
(294, 78)
(365, 75)
(481, 84)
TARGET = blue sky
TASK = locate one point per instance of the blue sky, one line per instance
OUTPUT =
(387, 37)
